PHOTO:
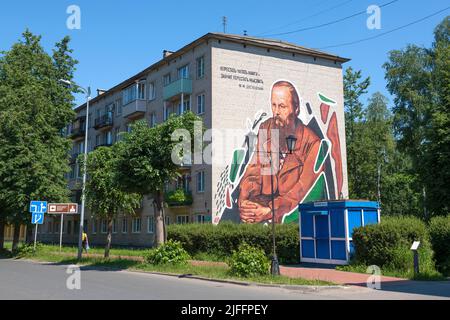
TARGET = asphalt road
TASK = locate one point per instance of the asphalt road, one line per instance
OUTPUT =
(21, 279)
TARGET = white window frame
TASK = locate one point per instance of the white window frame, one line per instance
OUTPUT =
(150, 224)
(201, 103)
(200, 71)
(141, 94)
(118, 104)
(94, 226)
(201, 216)
(151, 91)
(114, 226)
(182, 219)
(129, 94)
(200, 181)
(183, 72)
(152, 119)
(103, 226)
(125, 223)
(135, 224)
(167, 79)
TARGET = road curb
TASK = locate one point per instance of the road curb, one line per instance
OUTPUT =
(244, 283)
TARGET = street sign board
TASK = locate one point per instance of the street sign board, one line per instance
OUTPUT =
(38, 206)
(63, 208)
(37, 218)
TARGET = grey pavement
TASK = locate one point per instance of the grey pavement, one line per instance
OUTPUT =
(20, 279)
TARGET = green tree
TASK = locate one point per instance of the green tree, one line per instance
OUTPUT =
(145, 161)
(34, 110)
(419, 80)
(353, 89)
(104, 196)
(437, 172)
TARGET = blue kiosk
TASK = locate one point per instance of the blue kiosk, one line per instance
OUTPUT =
(326, 228)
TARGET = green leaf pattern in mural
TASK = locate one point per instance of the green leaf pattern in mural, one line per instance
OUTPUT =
(317, 192)
(238, 156)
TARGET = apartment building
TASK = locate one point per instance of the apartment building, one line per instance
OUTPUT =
(228, 81)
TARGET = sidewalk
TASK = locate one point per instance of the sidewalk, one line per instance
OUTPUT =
(324, 273)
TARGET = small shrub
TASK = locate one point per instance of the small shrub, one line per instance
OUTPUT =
(387, 244)
(170, 252)
(27, 249)
(440, 240)
(249, 261)
(222, 239)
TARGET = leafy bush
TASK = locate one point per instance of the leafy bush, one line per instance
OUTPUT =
(221, 240)
(440, 240)
(387, 244)
(27, 249)
(170, 252)
(248, 261)
(178, 197)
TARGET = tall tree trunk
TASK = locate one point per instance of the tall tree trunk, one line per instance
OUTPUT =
(108, 238)
(16, 236)
(29, 235)
(2, 234)
(159, 221)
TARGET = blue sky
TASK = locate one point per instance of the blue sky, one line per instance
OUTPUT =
(119, 39)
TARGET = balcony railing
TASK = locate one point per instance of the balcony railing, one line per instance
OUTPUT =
(178, 198)
(134, 109)
(104, 121)
(176, 88)
(77, 133)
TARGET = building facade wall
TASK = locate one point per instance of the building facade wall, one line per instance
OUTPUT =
(242, 78)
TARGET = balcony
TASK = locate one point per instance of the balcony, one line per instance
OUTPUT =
(174, 89)
(104, 122)
(77, 133)
(135, 109)
(178, 198)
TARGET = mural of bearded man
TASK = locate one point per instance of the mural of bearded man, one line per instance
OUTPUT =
(293, 173)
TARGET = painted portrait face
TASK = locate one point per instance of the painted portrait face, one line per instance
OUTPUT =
(283, 110)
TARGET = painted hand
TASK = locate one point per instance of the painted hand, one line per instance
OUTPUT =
(252, 212)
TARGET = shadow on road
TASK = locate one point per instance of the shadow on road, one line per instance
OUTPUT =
(111, 265)
(432, 288)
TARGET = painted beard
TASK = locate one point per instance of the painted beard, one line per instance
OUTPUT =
(282, 128)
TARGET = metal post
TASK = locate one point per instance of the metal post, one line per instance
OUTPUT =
(416, 262)
(275, 267)
(35, 236)
(83, 195)
(60, 233)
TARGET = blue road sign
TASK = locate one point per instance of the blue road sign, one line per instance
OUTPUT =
(38, 206)
(37, 218)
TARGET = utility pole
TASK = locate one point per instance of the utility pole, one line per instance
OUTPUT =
(224, 22)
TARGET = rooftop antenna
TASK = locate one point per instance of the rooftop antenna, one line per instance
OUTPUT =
(245, 32)
(224, 22)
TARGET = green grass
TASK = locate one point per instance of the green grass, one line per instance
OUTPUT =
(73, 249)
(204, 256)
(423, 276)
(48, 253)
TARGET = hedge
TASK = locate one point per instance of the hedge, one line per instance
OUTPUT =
(226, 237)
(387, 244)
(440, 240)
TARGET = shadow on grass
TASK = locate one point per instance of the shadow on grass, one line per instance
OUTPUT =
(99, 264)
